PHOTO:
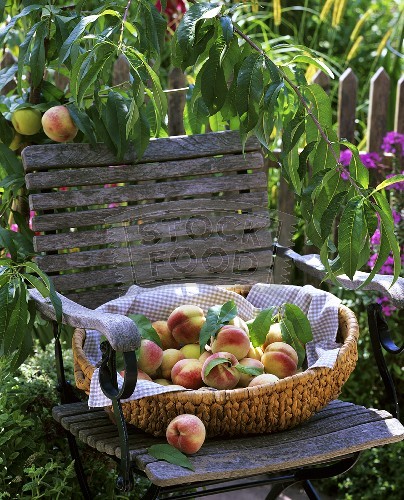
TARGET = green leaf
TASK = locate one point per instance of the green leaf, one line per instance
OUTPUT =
(249, 370)
(289, 336)
(16, 328)
(350, 234)
(273, 70)
(83, 122)
(321, 109)
(249, 90)
(330, 213)
(115, 117)
(7, 301)
(187, 26)
(227, 28)
(79, 30)
(145, 328)
(357, 169)
(6, 131)
(324, 155)
(304, 158)
(7, 241)
(9, 161)
(10, 25)
(170, 454)
(259, 328)
(37, 283)
(300, 322)
(7, 75)
(213, 83)
(215, 362)
(388, 182)
(313, 61)
(216, 317)
(37, 59)
(141, 135)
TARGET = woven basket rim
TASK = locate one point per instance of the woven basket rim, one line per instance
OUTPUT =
(348, 325)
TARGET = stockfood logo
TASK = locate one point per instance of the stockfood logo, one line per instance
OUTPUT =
(209, 242)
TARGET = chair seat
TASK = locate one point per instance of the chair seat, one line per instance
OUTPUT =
(336, 431)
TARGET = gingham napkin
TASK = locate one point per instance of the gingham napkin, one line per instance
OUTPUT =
(157, 303)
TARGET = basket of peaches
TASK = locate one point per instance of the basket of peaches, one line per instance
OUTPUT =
(238, 377)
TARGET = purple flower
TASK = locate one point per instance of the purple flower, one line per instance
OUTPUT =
(345, 157)
(387, 308)
(344, 175)
(375, 239)
(399, 186)
(393, 141)
(396, 216)
(370, 160)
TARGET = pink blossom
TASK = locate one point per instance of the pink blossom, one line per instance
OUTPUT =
(14, 228)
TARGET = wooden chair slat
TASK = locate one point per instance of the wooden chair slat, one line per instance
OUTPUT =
(135, 254)
(161, 191)
(82, 155)
(88, 218)
(143, 171)
(150, 231)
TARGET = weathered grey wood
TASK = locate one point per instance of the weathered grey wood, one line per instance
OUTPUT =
(182, 266)
(151, 231)
(143, 171)
(320, 78)
(120, 70)
(62, 82)
(72, 409)
(347, 96)
(94, 298)
(95, 418)
(399, 111)
(162, 191)
(81, 155)
(50, 222)
(176, 102)
(336, 431)
(378, 109)
(145, 253)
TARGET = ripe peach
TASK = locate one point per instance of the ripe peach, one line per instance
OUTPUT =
(185, 323)
(274, 335)
(255, 352)
(162, 381)
(231, 339)
(27, 121)
(265, 378)
(245, 379)
(170, 357)
(204, 356)
(280, 359)
(240, 323)
(150, 356)
(191, 351)
(186, 433)
(224, 375)
(58, 124)
(167, 340)
(188, 373)
(141, 375)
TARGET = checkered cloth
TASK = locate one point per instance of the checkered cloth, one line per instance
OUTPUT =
(157, 303)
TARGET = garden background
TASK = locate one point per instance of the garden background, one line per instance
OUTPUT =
(352, 39)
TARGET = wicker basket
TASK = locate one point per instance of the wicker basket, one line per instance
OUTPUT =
(253, 410)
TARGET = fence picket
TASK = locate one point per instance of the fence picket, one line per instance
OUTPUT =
(8, 60)
(347, 96)
(320, 78)
(378, 109)
(399, 111)
(176, 102)
(120, 72)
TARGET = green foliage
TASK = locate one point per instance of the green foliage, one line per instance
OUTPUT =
(216, 317)
(34, 457)
(170, 454)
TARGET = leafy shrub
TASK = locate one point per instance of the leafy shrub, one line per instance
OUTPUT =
(34, 457)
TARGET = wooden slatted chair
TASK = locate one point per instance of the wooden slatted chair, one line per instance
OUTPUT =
(194, 209)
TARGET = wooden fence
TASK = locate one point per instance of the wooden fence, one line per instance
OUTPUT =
(347, 103)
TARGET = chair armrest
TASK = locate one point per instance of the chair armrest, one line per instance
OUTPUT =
(311, 264)
(120, 331)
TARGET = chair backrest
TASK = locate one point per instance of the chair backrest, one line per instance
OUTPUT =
(194, 209)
